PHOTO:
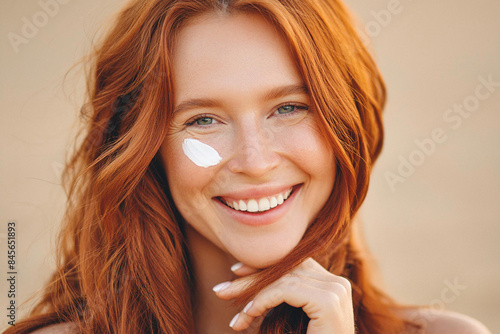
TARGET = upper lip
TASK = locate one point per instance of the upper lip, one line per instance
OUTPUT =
(257, 192)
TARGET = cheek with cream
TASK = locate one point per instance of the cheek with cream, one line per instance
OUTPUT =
(201, 154)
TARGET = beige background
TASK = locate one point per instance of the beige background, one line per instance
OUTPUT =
(437, 226)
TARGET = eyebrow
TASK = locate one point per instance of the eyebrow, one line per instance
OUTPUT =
(274, 93)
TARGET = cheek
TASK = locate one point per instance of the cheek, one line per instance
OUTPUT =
(305, 146)
(186, 180)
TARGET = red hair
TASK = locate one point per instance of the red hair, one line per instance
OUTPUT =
(123, 261)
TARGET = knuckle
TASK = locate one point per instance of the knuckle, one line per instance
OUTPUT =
(309, 263)
(344, 283)
(337, 290)
(276, 295)
(333, 299)
(292, 281)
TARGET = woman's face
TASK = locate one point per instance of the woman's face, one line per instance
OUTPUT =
(237, 90)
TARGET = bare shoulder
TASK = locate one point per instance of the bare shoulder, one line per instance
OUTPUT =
(62, 328)
(445, 322)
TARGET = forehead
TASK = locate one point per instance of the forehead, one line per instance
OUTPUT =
(217, 54)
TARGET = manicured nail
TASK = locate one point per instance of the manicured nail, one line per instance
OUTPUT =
(221, 286)
(231, 324)
(248, 306)
(236, 266)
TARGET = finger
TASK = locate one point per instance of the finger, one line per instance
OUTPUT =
(326, 292)
(325, 303)
(242, 269)
(310, 265)
(316, 302)
(231, 289)
(311, 268)
(253, 322)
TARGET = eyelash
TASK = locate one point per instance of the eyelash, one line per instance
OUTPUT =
(201, 116)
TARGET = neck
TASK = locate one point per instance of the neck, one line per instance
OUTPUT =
(211, 266)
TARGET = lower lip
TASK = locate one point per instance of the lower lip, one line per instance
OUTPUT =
(261, 218)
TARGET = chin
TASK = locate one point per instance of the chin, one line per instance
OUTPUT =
(261, 262)
(265, 254)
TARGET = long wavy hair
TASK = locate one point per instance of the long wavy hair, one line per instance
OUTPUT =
(123, 265)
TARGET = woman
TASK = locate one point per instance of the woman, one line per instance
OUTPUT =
(228, 150)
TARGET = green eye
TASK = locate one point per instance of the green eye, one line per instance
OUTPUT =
(204, 121)
(286, 109)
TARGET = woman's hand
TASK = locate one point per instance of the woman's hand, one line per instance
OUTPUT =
(325, 298)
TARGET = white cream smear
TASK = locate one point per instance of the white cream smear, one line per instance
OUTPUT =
(201, 154)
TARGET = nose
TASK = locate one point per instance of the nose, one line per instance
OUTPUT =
(254, 150)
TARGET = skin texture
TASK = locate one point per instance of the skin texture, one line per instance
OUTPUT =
(237, 60)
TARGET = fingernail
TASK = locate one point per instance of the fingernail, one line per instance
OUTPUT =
(221, 286)
(236, 266)
(231, 324)
(248, 306)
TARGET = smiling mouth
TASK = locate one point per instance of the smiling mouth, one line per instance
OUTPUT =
(259, 205)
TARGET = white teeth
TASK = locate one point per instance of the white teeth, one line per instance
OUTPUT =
(252, 206)
(264, 204)
(243, 205)
(261, 204)
(280, 199)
